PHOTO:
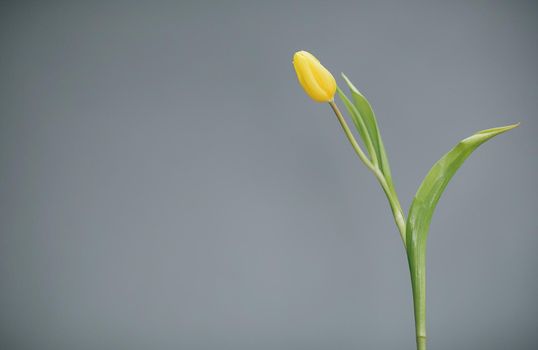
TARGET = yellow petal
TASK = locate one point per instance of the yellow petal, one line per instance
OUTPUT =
(315, 79)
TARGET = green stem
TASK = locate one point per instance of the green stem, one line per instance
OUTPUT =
(418, 270)
(418, 283)
(351, 138)
(359, 123)
(421, 343)
(395, 206)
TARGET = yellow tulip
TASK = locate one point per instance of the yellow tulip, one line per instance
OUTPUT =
(316, 80)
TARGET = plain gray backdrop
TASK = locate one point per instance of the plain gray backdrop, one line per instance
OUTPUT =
(165, 183)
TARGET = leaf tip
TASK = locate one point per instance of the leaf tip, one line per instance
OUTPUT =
(350, 85)
(509, 127)
(499, 129)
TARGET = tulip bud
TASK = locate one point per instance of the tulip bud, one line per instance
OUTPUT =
(316, 80)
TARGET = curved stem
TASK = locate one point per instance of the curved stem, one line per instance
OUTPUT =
(359, 123)
(418, 281)
(351, 138)
(395, 206)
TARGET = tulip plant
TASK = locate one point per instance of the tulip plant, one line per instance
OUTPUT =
(321, 86)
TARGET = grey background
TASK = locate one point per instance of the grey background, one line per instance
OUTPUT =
(166, 184)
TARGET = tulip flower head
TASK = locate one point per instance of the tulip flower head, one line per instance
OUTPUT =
(316, 80)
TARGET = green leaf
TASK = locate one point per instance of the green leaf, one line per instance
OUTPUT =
(359, 124)
(365, 121)
(422, 208)
(366, 113)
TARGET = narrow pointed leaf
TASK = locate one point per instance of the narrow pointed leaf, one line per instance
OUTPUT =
(422, 208)
(433, 185)
(366, 112)
(359, 125)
